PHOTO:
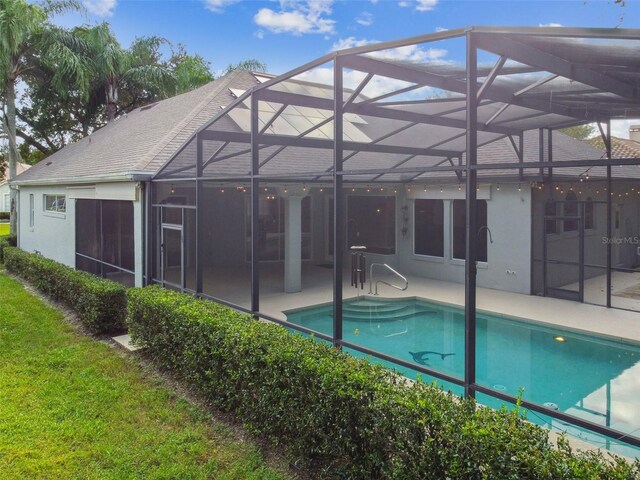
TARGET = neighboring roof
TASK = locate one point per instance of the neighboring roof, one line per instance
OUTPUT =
(20, 168)
(140, 141)
(620, 147)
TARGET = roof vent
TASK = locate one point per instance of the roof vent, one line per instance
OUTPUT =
(148, 107)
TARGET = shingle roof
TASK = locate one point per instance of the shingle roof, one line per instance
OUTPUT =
(620, 147)
(141, 141)
(20, 168)
(145, 139)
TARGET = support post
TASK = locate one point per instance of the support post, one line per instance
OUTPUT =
(255, 207)
(609, 212)
(293, 243)
(338, 207)
(199, 212)
(471, 221)
(148, 247)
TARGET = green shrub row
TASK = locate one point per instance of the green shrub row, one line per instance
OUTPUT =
(4, 243)
(346, 417)
(99, 303)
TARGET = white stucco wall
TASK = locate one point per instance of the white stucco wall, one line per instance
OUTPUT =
(5, 203)
(508, 265)
(53, 234)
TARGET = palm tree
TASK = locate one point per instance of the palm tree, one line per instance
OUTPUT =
(25, 32)
(137, 70)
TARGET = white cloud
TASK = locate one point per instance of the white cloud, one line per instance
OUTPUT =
(100, 8)
(350, 42)
(420, 5)
(410, 53)
(352, 78)
(550, 25)
(218, 6)
(297, 17)
(426, 5)
(259, 34)
(365, 19)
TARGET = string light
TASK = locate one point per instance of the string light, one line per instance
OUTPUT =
(425, 187)
(459, 187)
(304, 188)
(173, 189)
(519, 187)
(498, 187)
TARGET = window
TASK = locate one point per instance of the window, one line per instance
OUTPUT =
(31, 210)
(105, 239)
(429, 228)
(551, 210)
(7, 203)
(571, 210)
(55, 203)
(589, 214)
(371, 221)
(459, 229)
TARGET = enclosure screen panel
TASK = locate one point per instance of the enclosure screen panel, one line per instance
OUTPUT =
(459, 231)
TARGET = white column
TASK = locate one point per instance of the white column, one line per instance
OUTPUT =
(292, 244)
(138, 238)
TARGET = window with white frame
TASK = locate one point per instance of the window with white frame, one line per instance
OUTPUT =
(31, 210)
(55, 203)
(429, 227)
(7, 203)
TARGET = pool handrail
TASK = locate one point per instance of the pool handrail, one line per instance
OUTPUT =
(398, 274)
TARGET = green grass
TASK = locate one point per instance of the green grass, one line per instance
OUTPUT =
(71, 407)
(4, 229)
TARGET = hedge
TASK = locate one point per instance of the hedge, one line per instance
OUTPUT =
(346, 417)
(4, 243)
(99, 303)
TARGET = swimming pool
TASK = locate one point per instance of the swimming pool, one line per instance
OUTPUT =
(586, 376)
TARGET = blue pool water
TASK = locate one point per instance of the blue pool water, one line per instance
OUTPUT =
(585, 376)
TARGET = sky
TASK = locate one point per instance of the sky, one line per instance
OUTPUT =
(287, 33)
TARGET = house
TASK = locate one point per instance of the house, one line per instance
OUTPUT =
(412, 177)
(5, 194)
(90, 197)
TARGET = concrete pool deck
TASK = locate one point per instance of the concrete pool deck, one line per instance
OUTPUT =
(616, 324)
(317, 288)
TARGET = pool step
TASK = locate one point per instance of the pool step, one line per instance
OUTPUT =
(403, 312)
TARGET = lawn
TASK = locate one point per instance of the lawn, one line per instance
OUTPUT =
(72, 407)
(4, 229)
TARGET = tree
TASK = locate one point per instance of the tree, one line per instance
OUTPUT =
(25, 32)
(581, 132)
(190, 71)
(251, 64)
(137, 70)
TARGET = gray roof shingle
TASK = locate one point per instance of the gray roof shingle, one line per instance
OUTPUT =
(138, 142)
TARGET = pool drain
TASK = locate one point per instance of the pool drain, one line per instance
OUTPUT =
(500, 387)
(551, 405)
